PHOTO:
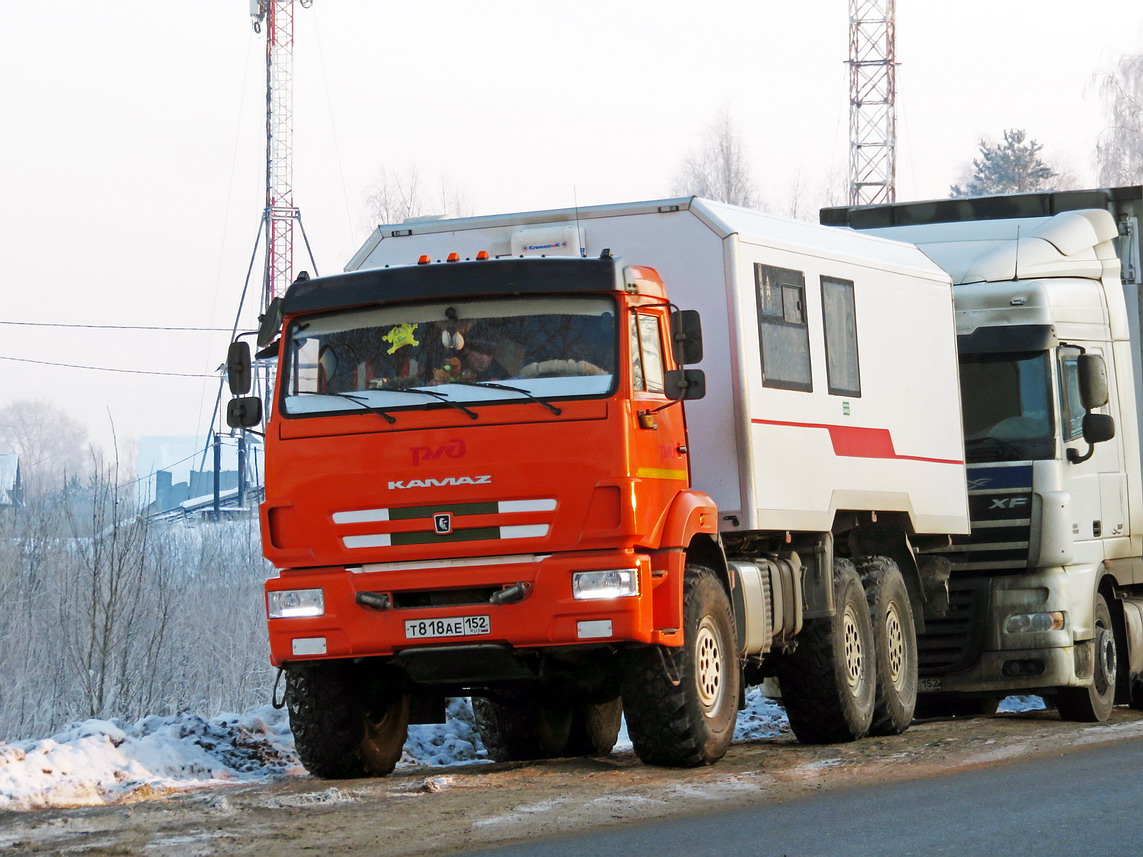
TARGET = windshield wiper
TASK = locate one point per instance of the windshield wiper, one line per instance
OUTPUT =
(360, 400)
(1001, 446)
(436, 394)
(520, 390)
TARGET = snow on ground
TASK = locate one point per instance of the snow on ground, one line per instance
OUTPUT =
(105, 761)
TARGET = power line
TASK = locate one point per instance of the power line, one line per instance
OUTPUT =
(108, 369)
(117, 326)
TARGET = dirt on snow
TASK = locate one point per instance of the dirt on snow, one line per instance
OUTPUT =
(440, 811)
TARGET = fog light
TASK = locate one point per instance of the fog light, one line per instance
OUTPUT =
(292, 603)
(608, 583)
(1032, 623)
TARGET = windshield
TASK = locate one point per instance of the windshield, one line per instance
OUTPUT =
(1007, 407)
(450, 353)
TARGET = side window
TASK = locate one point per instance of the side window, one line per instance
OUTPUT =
(647, 353)
(839, 318)
(782, 331)
(1071, 408)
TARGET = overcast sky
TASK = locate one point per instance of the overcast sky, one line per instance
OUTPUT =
(132, 168)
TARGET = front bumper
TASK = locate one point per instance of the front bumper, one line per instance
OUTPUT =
(547, 614)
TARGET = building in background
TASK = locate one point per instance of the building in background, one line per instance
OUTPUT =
(11, 488)
(176, 475)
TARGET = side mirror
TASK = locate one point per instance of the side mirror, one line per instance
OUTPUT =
(681, 384)
(270, 323)
(238, 368)
(1092, 376)
(686, 336)
(1098, 428)
(244, 413)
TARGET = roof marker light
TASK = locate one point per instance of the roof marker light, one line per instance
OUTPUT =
(482, 256)
(424, 260)
(453, 257)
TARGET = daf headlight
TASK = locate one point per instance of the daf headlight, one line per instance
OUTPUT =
(1032, 623)
(608, 583)
(292, 603)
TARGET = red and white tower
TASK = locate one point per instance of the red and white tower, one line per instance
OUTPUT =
(280, 212)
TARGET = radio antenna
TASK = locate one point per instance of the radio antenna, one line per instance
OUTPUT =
(579, 235)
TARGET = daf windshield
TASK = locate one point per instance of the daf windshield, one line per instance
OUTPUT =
(1006, 400)
(451, 353)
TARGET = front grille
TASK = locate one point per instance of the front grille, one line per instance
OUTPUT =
(1000, 513)
(440, 523)
(444, 597)
(953, 643)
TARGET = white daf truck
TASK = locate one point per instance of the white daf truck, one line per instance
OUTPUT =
(1046, 594)
(490, 473)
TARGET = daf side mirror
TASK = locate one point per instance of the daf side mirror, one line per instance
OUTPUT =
(238, 368)
(1098, 428)
(686, 336)
(245, 412)
(679, 384)
(1092, 376)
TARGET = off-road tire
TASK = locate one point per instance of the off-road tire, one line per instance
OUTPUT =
(522, 728)
(894, 644)
(337, 733)
(829, 681)
(1093, 704)
(595, 727)
(681, 703)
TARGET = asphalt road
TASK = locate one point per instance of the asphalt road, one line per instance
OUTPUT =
(1084, 802)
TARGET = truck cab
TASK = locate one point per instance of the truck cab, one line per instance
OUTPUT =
(1044, 593)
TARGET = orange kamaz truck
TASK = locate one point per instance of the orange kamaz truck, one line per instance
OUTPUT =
(495, 469)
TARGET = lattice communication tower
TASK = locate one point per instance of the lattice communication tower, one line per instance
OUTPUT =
(280, 212)
(872, 102)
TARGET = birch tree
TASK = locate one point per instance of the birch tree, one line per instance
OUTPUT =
(718, 169)
(1119, 147)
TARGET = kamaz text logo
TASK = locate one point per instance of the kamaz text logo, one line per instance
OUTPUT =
(452, 449)
(1008, 502)
(448, 481)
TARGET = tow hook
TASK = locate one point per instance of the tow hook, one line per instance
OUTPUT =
(373, 600)
(510, 594)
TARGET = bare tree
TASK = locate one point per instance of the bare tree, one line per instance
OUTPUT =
(51, 445)
(395, 196)
(1119, 149)
(717, 169)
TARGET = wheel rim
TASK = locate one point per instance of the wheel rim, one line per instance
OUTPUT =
(895, 644)
(708, 666)
(1106, 660)
(854, 657)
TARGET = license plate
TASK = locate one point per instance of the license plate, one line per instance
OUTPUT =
(447, 626)
(928, 684)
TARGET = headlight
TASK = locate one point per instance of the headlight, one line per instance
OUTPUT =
(1031, 623)
(609, 583)
(291, 603)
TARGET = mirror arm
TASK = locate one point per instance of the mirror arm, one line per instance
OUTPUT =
(1075, 458)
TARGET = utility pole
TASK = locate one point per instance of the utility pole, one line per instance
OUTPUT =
(872, 102)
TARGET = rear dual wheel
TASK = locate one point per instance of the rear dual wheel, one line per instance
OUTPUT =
(894, 645)
(522, 728)
(829, 681)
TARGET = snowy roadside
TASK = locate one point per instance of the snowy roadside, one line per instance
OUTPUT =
(108, 761)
